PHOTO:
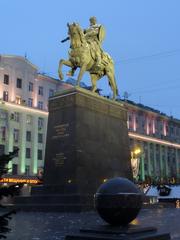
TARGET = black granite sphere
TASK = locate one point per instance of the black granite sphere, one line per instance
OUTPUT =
(118, 201)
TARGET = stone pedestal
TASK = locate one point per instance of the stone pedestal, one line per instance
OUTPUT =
(87, 143)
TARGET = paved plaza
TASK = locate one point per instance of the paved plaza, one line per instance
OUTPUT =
(51, 226)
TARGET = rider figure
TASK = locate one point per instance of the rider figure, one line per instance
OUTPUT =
(92, 36)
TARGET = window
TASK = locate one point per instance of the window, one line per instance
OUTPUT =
(18, 100)
(28, 119)
(30, 87)
(19, 83)
(28, 136)
(14, 148)
(51, 92)
(3, 133)
(27, 170)
(3, 114)
(30, 102)
(40, 123)
(5, 96)
(28, 153)
(2, 149)
(40, 105)
(6, 79)
(39, 154)
(40, 91)
(16, 135)
(14, 169)
(40, 138)
(16, 116)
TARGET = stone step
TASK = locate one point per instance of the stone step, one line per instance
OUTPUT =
(36, 207)
(158, 236)
(55, 199)
(52, 189)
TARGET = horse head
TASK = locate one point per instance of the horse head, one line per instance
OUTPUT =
(76, 34)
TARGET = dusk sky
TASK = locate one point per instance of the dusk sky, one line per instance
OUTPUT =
(143, 38)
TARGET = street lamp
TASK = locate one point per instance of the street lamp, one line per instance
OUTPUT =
(137, 151)
(135, 160)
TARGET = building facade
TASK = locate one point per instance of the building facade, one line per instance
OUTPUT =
(158, 137)
(24, 97)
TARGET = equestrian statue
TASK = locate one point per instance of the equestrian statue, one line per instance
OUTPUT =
(86, 53)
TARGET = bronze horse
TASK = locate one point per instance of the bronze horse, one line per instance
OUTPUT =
(82, 55)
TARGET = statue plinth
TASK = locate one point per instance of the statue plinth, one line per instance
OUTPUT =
(87, 143)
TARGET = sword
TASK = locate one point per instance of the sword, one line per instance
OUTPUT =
(64, 40)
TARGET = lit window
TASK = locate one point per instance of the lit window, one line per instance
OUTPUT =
(30, 87)
(5, 96)
(30, 102)
(6, 79)
(18, 100)
(19, 83)
(40, 105)
(40, 90)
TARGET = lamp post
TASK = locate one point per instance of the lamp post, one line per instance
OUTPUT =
(137, 163)
(135, 160)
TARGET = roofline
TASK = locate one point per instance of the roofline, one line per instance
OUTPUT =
(49, 78)
(170, 118)
(20, 58)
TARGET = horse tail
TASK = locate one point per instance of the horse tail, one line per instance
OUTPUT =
(117, 92)
(115, 85)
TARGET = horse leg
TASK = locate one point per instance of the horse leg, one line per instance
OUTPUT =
(94, 78)
(112, 82)
(61, 63)
(81, 72)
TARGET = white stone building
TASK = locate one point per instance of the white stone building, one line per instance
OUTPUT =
(24, 97)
